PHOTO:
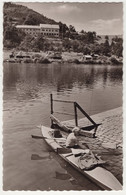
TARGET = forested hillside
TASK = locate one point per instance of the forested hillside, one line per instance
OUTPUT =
(85, 42)
(19, 14)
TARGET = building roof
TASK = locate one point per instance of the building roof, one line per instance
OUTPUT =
(38, 27)
(88, 56)
(49, 26)
(28, 26)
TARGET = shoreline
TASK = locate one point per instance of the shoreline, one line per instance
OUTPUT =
(64, 57)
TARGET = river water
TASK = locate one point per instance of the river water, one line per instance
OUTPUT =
(29, 164)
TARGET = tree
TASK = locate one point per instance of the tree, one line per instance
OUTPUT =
(28, 43)
(106, 37)
(39, 42)
(67, 44)
(12, 36)
(31, 19)
(63, 29)
(106, 47)
(117, 46)
(82, 31)
(90, 37)
(72, 28)
(75, 45)
(86, 50)
(95, 48)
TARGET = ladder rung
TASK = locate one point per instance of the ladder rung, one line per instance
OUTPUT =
(65, 113)
(63, 101)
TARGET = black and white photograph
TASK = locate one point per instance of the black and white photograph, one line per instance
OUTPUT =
(62, 96)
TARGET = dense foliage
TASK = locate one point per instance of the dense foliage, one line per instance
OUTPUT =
(70, 39)
(18, 14)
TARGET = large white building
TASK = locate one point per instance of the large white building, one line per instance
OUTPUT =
(49, 30)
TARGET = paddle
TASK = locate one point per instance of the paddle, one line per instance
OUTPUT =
(38, 137)
(42, 137)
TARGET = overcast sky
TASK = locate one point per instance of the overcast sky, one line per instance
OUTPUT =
(103, 18)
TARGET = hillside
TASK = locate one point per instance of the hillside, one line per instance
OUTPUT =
(18, 14)
(86, 42)
(102, 40)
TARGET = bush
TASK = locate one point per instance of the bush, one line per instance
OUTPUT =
(99, 62)
(114, 60)
(27, 60)
(89, 62)
(43, 61)
(37, 55)
(76, 61)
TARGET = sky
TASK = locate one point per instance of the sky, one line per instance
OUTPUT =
(103, 18)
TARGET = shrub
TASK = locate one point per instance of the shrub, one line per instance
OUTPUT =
(76, 61)
(43, 61)
(37, 55)
(114, 60)
(27, 60)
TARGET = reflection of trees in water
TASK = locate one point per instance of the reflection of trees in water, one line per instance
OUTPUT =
(11, 73)
(22, 78)
(66, 77)
(30, 79)
(115, 75)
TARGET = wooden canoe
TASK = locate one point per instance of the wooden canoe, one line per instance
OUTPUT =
(102, 177)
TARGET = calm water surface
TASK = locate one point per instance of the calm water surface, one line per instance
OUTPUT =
(30, 164)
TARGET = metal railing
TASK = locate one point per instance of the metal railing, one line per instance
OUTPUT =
(76, 108)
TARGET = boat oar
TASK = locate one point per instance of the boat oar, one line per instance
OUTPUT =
(38, 137)
(42, 137)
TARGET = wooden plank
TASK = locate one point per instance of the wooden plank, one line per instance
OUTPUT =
(51, 99)
(62, 126)
(64, 113)
(89, 118)
(87, 133)
(68, 129)
(75, 112)
(65, 101)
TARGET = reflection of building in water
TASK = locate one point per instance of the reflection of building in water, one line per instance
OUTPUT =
(49, 30)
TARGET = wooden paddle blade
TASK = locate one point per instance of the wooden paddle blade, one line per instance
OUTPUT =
(64, 150)
(37, 137)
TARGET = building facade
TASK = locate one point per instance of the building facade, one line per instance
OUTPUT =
(48, 30)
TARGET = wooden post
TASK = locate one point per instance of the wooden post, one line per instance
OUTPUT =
(75, 112)
(89, 118)
(51, 101)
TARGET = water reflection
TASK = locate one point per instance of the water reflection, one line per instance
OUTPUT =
(73, 176)
(28, 80)
(26, 105)
(62, 176)
(38, 157)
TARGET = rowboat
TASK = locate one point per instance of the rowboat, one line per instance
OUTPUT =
(99, 175)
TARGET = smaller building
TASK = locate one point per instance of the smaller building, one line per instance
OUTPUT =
(87, 57)
(95, 56)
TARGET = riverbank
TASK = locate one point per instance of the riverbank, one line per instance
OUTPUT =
(49, 57)
(109, 139)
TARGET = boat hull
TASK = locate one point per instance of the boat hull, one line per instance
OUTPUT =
(102, 177)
